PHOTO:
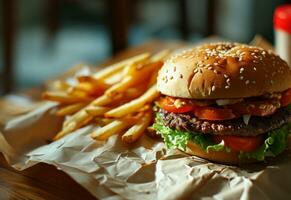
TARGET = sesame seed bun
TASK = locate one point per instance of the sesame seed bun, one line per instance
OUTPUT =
(217, 156)
(223, 70)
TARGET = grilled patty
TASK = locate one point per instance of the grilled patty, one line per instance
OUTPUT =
(257, 125)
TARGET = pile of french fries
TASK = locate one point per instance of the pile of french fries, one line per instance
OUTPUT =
(118, 98)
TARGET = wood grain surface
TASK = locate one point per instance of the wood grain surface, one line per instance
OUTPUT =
(46, 182)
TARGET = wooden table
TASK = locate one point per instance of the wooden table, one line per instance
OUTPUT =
(46, 182)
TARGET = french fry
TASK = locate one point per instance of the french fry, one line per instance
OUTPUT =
(100, 121)
(97, 111)
(153, 78)
(93, 81)
(76, 121)
(70, 109)
(84, 86)
(72, 91)
(105, 100)
(135, 104)
(110, 129)
(58, 85)
(86, 89)
(63, 97)
(108, 71)
(136, 131)
(82, 116)
(134, 75)
(119, 87)
(132, 93)
(160, 55)
(113, 79)
(122, 95)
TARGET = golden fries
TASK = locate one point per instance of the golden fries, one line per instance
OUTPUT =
(58, 85)
(64, 98)
(79, 120)
(136, 131)
(107, 72)
(110, 129)
(118, 98)
(96, 110)
(134, 105)
(70, 109)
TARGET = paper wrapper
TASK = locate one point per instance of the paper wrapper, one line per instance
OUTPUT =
(145, 170)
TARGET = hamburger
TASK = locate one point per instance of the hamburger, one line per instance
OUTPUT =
(225, 102)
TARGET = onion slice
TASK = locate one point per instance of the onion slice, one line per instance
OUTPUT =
(224, 102)
(246, 119)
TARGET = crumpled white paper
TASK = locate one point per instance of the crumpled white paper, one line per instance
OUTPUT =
(113, 170)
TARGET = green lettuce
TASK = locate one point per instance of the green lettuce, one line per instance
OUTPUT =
(178, 139)
(274, 144)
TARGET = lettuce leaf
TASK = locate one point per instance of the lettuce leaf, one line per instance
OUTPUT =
(274, 144)
(178, 139)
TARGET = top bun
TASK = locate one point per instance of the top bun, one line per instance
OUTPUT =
(223, 70)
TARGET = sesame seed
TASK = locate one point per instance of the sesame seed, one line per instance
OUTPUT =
(207, 65)
(227, 87)
(241, 70)
(255, 68)
(215, 71)
(254, 82)
(241, 77)
(247, 82)
(196, 70)
(225, 75)
(210, 68)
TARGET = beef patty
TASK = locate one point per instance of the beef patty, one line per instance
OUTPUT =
(257, 125)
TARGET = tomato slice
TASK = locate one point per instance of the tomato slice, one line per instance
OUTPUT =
(202, 112)
(286, 98)
(210, 113)
(168, 104)
(256, 108)
(240, 143)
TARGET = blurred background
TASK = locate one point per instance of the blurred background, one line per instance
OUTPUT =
(43, 38)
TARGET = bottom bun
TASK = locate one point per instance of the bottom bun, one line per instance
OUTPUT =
(222, 157)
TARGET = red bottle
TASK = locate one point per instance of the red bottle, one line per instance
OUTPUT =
(282, 26)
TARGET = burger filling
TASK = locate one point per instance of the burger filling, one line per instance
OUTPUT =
(254, 127)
